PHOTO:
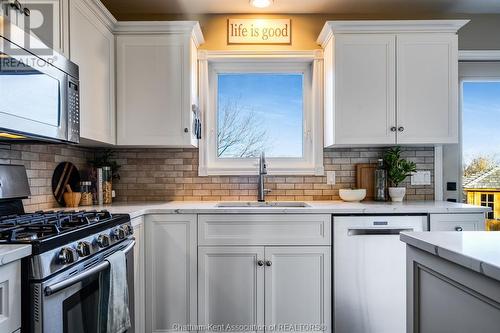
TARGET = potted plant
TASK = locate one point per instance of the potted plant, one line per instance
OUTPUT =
(397, 171)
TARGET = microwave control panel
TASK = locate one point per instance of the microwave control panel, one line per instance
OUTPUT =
(73, 112)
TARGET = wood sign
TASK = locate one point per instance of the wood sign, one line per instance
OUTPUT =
(259, 31)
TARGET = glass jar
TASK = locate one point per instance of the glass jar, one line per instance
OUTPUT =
(85, 190)
(380, 182)
(107, 185)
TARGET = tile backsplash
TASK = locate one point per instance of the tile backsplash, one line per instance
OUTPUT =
(40, 161)
(172, 174)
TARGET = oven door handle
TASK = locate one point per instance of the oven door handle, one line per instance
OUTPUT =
(54, 288)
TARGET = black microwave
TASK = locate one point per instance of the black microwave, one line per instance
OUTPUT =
(39, 89)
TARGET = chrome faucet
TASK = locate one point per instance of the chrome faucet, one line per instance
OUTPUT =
(261, 195)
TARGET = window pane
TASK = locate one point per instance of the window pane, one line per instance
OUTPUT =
(260, 112)
(481, 142)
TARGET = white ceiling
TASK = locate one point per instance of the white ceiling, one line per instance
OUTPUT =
(118, 7)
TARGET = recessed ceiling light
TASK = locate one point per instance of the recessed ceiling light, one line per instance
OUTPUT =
(261, 3)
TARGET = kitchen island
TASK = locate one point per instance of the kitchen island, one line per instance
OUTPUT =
(453, 281)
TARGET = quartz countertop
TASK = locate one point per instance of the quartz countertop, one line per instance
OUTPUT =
(476, 250)
(13, 252)
(315, 207)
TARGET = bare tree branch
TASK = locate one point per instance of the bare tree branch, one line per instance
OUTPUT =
(240, 133)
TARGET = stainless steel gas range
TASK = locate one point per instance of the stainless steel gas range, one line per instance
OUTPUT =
(60, 281)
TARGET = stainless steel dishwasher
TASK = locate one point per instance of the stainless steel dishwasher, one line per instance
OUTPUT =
(369, 272)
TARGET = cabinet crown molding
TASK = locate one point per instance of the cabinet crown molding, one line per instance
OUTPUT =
(388, 26)
(103, 14)
(161, 27)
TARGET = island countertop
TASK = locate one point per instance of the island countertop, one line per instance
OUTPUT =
(314, 207)
(476, 250)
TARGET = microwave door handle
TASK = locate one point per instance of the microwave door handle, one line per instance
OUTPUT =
(54, 288)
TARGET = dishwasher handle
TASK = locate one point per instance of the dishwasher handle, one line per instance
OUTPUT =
(376, 231)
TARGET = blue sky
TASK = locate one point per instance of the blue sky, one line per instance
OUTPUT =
(276, 101)
(481, 120)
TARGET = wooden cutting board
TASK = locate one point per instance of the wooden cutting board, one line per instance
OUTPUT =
(365, 178)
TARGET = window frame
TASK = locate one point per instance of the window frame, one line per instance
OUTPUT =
(472, 71)
(310, 66)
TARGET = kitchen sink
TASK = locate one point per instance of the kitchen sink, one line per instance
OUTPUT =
(283, 204)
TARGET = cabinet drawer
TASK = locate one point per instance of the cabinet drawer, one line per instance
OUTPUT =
(264, 229)
(457, 222)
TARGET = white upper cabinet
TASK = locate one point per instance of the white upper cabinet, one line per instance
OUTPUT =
(92, 48)
(427, 88)
(157, 83)
(44, 19)
(364, 89)
(390, 82)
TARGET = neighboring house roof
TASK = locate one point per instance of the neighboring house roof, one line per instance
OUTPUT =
(484, 180)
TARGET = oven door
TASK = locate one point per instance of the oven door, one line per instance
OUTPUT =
(71, 304)
(33, 95)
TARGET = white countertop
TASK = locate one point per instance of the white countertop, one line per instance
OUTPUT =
(315, 207)
(476, 250)
(13, 252)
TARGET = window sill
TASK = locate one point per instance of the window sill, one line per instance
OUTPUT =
(319, 171)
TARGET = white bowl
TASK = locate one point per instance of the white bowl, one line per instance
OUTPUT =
(352, 195)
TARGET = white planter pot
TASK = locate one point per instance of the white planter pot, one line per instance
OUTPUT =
(397, 194)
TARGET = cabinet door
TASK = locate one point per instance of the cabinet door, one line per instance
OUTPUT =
(457, 222)
(154, 104)
(139, 292)
(231, 285)
(170, 276)
(297, 285)
(364, 89)
(427, 88)
(48, 22)
(92, 49)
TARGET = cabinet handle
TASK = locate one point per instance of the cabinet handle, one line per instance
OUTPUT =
(459, 228)
(26, 11)
(401, 129)
(393, 129)
(269, 263)
(260, 263)
(16, 4)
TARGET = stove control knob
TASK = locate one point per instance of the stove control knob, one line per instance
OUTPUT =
(67, 255)
(103, 240)
(129, 230)
(83, 249)
(119, 233)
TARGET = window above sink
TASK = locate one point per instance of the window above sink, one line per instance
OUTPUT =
(261, 102)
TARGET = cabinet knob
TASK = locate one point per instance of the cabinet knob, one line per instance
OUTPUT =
(260, 262)
(186, 130)
(393, 129)
(459, 228)
(26, 11)
(401, 129)
(268, 263)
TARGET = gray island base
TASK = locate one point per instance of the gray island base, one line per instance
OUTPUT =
(453, 282)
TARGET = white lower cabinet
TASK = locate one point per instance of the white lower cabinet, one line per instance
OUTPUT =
(298, 287)
(170, 272)
(250, 286)
(231, 286)
(10, 297)
(139, 292)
